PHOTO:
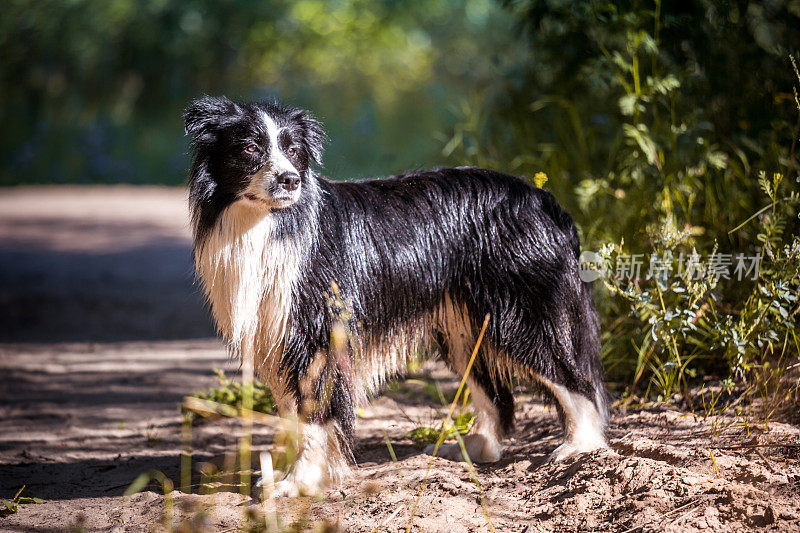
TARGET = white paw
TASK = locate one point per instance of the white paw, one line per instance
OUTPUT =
(292, 488)
(570, 448)
(301, 481)
(286, 488)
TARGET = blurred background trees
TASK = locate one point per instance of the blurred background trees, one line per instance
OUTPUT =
(93, 90)
(654, 121)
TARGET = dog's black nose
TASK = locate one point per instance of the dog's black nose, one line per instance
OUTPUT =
(288, 180)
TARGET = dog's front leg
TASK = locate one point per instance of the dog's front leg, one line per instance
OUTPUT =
(325, 431)
(320, 461)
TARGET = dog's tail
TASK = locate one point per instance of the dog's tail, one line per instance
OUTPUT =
(587, 340)
(587, 343)
(585, 323)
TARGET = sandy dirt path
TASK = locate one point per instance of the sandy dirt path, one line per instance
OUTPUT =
(97, 264)
(102, 333)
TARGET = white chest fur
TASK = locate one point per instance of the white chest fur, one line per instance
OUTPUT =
(249, 277)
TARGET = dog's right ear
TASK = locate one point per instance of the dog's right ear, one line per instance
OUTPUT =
(203, 116)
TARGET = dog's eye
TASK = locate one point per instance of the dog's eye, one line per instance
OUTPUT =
(253, 148)
(291, 152)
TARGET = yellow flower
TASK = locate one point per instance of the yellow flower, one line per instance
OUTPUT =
(539, 179)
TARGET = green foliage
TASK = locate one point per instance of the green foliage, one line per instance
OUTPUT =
(641, 110)
(231, 393)
(651, 120)
(424, 435)
(768, 315)
(11, 507)
(449, 428)
(93, 91)
(678, 325)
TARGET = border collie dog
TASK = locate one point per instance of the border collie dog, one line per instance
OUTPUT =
(419, 258)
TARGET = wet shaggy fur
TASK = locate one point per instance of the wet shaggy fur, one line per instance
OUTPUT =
(419, 259)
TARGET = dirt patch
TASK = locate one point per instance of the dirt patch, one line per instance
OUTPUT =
(659, 475)
(85, 423)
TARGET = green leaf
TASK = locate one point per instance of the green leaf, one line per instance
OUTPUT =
(7, 508)
(641, 136)
(138, 484)
(423, 436)
(665, 85)
(717, 160)
(26, 499)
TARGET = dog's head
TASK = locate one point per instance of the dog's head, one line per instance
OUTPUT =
(259, 154)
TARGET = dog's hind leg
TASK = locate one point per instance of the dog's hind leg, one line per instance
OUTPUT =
(580, 393)
(553, 336)
(582, 418)
(492, 401)
(574, 380)
(483, 443)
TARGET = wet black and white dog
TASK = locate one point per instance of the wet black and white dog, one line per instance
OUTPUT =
(421, 258)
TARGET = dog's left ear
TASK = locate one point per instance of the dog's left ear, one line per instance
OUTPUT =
(313, 135)
(203, 116)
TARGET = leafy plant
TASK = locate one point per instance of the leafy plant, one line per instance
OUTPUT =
(230, 392)
(424, 435)
(680, 322)
(10, 507)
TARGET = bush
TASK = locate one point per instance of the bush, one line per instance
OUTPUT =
(653, 122)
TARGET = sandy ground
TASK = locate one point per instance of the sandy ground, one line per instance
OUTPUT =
(102, 333)
(97, 264)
